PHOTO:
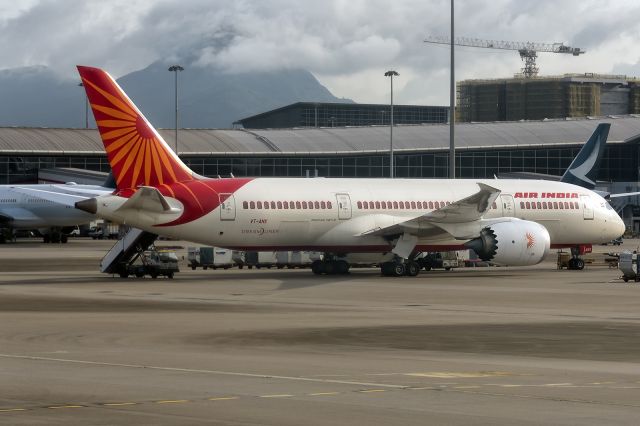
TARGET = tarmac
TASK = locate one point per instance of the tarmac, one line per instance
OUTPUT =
(471, 346)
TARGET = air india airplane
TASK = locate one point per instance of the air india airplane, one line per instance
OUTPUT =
(507, 222)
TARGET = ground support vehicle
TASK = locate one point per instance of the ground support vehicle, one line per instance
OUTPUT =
(628, 265)
(260, 259)
(151, 262)
(446, 260)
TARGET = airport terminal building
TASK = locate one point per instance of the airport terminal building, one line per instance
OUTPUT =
(420, 151)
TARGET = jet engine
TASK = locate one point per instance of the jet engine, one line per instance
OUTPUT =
(512, 243)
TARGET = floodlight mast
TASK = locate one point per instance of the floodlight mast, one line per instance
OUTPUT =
(528, 50)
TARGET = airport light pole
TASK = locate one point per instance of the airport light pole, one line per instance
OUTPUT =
(175, 69)
(86, 108)
(391, 73)
(452, 107)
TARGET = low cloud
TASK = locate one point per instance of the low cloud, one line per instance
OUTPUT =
(347, 44)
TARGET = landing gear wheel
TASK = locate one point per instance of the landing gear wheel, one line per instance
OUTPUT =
(316, 267)
(412, 269)
(579, 264)
(399, 269)
(571, 264)
(386, 269)
(341, 267)
(170, 275)
(64, 239)
(328, 268)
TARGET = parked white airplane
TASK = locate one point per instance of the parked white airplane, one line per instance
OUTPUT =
(509, 222)
(20, 210)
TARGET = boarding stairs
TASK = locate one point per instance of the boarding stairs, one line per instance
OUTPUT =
(126, 249)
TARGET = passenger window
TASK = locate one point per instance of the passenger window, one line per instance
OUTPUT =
(285, 205)
(522, 204)
(430, 204)
(528, 205)
(292, 205)
(252, 205)
(371, 205)
(280, 204)
(539, 206)
(304, 205)
(359, 204)
(323, 205)
(298, 205)
(259, 204)
(266, 204)
(328, 204)
(413, 205)
(419, 203)
(245, 205)
(316, 204)
(378, 205)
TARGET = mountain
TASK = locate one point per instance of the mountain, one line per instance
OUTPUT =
(208, 98)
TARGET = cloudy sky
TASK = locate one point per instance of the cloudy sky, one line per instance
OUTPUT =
(346, 44)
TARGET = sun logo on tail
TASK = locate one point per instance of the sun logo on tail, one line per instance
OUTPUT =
(530, 240)
(137, 153)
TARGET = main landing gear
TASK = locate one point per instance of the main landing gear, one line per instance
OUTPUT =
(400, 267)
(330, 266)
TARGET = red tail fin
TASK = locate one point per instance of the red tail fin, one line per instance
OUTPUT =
(137, 153)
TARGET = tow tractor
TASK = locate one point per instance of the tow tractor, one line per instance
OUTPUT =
(153, 262)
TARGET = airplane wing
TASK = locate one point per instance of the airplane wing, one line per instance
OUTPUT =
(55, 197)
(455, 215)
(622, 194)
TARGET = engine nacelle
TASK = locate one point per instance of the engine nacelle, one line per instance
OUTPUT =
(512, 243)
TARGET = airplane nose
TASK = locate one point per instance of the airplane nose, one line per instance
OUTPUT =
(621, 228)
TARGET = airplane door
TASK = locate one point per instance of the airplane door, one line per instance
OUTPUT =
(227, 207)
(344, 206)
(587, 210)
(508, 205)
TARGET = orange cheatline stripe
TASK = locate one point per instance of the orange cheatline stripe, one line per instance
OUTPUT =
(115, 123)
(166, 162)
(118, 103)
(138, 165)
(119, 142)
(125, 150)
(118, 132)
(114, 112)
(127, 163)
(192, 194)
(156, 161)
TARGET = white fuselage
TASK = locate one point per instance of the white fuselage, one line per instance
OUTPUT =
(338, 217)
(22, 211)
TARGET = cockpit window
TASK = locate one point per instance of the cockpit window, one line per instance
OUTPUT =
(608, 206)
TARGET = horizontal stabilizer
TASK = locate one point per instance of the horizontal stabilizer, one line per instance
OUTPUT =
(148, 199)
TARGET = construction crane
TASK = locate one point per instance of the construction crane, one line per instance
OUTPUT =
(528, 50)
